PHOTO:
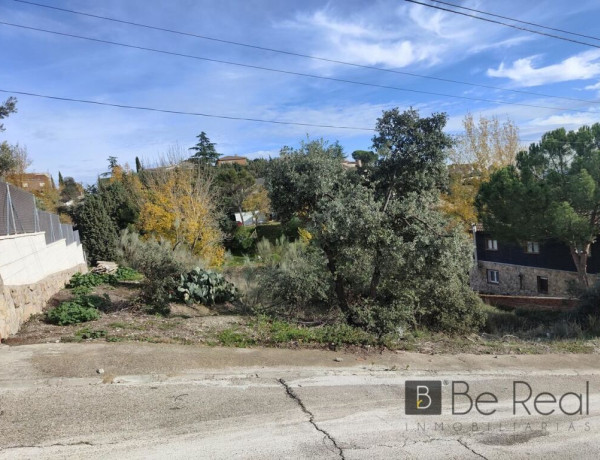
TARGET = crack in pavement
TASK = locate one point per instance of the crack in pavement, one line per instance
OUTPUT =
(23, 446)
(296, 398)
(466, 446)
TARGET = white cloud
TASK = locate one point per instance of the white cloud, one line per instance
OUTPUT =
(567, 121)
(524, 73)
(404, 36)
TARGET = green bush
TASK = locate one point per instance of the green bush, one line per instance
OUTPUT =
(205, 286)
(294, 278)
(127, 274)
(72, 313)
(161, 266)
(87, 280)
(244, 239)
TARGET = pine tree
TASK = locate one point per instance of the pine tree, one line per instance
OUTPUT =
(205, 151)
(138, 165)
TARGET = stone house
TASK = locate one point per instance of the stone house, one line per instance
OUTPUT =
(536, 268)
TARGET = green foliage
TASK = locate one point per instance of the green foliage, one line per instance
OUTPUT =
(6, 108)
(127, 274)
(206, 287)
(72, 312)
(234, 183)
(87, 333)
(294, 278)
(552, 192)
(244, 239)
(366, 157)
(271, 232)
(161, 265)
(87, 280)
(205, 152)
(121, 205)
(98, 231)
(276, 332)
(380, 250)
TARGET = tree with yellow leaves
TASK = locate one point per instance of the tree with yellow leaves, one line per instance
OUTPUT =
(178, 205)
(485, 146)
(257, 202)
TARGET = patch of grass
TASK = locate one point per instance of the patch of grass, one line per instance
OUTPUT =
(280, 332)
(87, 333)
(128, 274)
(115, 338)
(235, 338)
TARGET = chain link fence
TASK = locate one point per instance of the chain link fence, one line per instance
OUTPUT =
(19, 214)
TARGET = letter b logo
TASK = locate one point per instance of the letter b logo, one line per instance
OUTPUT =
(423, 397)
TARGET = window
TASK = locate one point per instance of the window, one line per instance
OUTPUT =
(491, 245)
(533, 247)
(542, 284)
(493, 276)
(42, 184)
(25, 185)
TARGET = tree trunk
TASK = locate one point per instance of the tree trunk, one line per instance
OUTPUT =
(340, 292)
(376, 276)
(580, 260)
(241, 215)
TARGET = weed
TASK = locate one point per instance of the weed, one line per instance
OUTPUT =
(234, 338)
(71, 313)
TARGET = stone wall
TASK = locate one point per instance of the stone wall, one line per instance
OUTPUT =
(526, 285)
(18, 303)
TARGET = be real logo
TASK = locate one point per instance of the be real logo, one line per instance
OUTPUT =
(424, 397)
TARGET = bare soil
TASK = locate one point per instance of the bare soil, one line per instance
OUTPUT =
(126, 319)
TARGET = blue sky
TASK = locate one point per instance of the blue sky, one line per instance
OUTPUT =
(77, 139)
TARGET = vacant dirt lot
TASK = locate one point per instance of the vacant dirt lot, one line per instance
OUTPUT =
(125, 319)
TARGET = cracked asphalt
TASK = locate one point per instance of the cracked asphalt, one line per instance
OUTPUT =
(156, 401)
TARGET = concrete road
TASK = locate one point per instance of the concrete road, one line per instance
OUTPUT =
(157, 401)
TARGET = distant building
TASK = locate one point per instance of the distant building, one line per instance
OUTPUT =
(232, 159)
(31, 182)
(351, 164)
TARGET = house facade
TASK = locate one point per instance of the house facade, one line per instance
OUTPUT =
(32, 182)
(534, 268)
(232, 159)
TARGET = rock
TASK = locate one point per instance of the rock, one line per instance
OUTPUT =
(100, 371)
(103, 266)
(338, 360)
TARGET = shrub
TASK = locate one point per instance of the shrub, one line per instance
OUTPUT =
(205, 286)
(72, 313)
(87, 280)
(294, 279)
(127, 274)
(244, 239)
(161, 265)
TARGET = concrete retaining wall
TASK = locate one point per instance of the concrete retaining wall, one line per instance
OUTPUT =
(31, 272)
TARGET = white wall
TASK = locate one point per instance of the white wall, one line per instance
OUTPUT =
(27, 259)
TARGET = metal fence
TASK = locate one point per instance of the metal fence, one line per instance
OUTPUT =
(19, 214)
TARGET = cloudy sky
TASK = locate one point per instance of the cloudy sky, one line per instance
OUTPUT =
(77, 138)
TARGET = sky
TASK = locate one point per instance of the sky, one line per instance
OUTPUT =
(77, 139)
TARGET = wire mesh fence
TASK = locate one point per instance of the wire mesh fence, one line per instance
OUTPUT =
(19, 214)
